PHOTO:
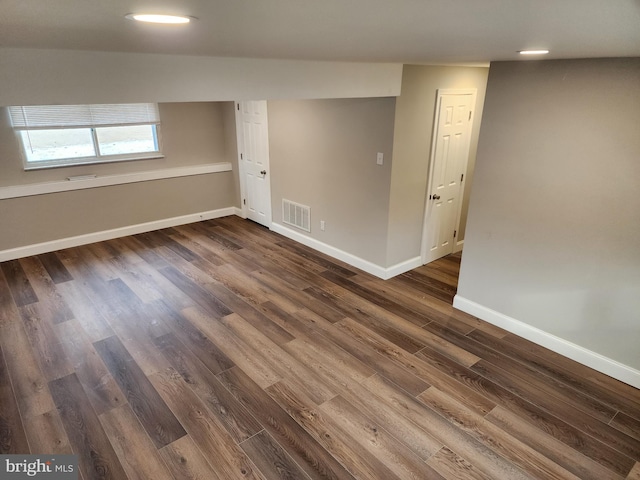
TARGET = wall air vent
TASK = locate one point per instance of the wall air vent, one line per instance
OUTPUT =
(296, 215)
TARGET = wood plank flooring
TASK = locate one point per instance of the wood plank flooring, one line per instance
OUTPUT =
(220, 350)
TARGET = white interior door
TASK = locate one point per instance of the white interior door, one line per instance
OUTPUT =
(253, 152)
(449, 155)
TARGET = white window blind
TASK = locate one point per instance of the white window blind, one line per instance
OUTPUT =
(83, 116)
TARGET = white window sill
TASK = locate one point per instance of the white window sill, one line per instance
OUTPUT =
(94, 181)
(90, 161)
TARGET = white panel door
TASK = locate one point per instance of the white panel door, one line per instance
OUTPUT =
(450, 151)
(253, 149)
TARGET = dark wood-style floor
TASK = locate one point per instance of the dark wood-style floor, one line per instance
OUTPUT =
(220, 350)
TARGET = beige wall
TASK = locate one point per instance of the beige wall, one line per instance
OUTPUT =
(415, 109)
(42, 218)
(323, 154)
(192, 134)
(553, 236)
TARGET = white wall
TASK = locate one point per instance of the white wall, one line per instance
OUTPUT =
(32, 77)
(552, 249)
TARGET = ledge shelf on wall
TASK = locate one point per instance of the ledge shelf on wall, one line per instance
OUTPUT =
(94, 181)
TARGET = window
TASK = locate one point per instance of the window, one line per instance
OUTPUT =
(64, 135)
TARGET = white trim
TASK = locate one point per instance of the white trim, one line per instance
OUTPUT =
(68, 242)
(458, 246)
(240, 149)
(91, 181)
(362, 264)
(575, 352)
(79, 162)
(402, 267)
(334, 252)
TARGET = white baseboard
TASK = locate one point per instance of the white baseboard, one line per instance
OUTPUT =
(53, 245)
(575, 352)
(367, 266)
(37, 249)
(402, 267)
(458, 246)
(334, 252)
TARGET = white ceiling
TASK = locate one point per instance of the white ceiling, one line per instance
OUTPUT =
(406, 31)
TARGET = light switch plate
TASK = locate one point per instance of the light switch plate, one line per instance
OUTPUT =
(380, 158)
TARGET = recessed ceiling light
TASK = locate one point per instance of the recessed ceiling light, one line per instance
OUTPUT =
(154, 18)
(533, 52)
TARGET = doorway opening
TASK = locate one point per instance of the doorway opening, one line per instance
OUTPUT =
(448, 164)
(253, 161)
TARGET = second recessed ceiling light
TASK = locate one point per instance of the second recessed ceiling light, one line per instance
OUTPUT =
(533, 52)
(156, 18)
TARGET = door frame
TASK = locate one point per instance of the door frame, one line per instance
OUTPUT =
(441, 92)
(241, 164)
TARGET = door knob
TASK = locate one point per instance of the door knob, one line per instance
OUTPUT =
(436, 197)
(263, 172)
